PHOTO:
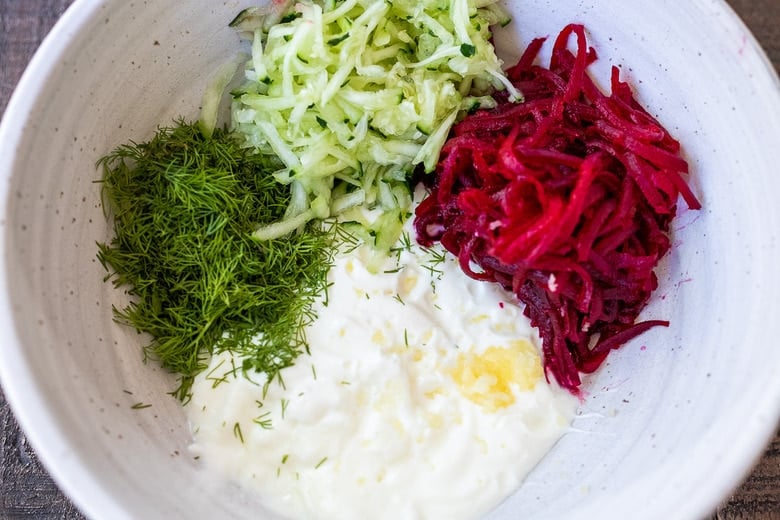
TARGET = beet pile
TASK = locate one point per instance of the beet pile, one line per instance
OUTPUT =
(566, 200)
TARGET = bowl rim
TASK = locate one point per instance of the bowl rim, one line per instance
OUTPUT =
(38, 423)
(46, 437)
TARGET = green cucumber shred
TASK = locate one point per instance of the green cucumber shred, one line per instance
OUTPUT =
(345, 87)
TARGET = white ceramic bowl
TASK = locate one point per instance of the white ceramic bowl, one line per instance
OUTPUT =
(671, 424)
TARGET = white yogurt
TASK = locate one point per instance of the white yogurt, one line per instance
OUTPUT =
(423, 397)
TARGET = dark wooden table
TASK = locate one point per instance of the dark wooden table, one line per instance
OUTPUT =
(26, 490)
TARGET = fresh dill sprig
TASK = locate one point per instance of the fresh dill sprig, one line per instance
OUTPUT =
(184, 209)
(348, 241)
(436, 259)
(263, 421)
(404, 244)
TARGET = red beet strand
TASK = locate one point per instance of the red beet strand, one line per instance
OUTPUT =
(565, 200)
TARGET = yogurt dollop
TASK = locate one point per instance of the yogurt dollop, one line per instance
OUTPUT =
(423, 397)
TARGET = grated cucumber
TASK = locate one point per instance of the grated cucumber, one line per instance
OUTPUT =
(353, 95)
(209, 110)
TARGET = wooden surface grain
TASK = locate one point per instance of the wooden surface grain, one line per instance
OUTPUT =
(26, 490)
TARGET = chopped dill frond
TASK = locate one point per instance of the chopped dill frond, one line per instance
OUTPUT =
(406, 241)
(263, 421)
(237, 432)
(184, 209)
(434, 263)
(404, 244)
(347, 241)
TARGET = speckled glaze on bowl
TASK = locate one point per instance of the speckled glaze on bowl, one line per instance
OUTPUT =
(670, 425)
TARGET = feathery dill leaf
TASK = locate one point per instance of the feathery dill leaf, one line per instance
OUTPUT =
(184, 208)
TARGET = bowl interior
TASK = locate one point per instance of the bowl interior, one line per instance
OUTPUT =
(669, 425)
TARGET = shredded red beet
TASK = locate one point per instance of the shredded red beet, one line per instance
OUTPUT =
(566, 200)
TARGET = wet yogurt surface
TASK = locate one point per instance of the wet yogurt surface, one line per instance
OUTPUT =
(423, 398)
